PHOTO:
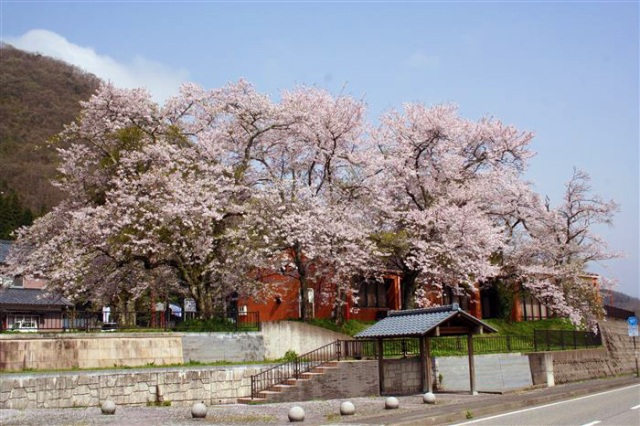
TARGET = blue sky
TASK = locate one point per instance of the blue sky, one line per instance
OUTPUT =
(566, 70)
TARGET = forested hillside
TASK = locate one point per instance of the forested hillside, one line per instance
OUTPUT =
(622, 300)
(38, 96)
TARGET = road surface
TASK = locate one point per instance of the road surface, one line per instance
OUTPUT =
(617, 407)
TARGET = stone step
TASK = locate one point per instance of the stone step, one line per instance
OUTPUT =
(310, 375)
(249, 400)
(266, 393)
(292, 382)
(323, 369)
(282, 388)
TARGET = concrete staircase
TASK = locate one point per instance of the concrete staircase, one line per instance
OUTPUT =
(292, 389)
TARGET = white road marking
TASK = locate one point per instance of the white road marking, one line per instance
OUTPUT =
(636, 407)
(547, 405)
(592, 423)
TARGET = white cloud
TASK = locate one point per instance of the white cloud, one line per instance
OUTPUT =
(159, 79)
(419, 59)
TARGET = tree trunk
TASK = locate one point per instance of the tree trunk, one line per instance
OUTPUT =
(408, 287)
(339, 305)
(304, 306)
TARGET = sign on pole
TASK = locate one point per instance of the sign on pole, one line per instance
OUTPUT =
(633, 326)
(633, 332)
(189, 305)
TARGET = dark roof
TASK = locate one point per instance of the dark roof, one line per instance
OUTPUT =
(4, 249)
(420, 322)
(31, 296)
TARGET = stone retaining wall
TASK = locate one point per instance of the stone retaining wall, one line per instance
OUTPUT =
(616, 357)
(149, 387)
(281, 336)
(66, 351)
(58, 351)
(234, 347)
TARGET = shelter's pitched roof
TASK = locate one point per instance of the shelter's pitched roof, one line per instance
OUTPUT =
(31, 297)
(420, 322)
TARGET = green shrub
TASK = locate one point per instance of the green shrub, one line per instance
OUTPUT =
(290, 356)
(204, 325)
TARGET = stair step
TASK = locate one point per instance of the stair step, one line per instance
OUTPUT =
(268, 392)
(249, 400)
(282, 388)
(323, 368)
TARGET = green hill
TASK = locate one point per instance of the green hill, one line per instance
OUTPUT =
(39, 96)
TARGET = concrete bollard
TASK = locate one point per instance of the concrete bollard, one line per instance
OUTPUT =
(199, 410)
(296, 414)
(391, 403)
(347, 408)
(108, 407)
(429, 398)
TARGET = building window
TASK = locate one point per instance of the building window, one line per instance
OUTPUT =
(6, 281)
(373, 293)
(450, 296)
(23, 322)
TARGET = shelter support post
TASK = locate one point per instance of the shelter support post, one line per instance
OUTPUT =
(429, 371)
(423, 364)
(472, 367)
(381, 365)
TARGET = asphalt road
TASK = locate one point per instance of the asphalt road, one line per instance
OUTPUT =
(617, 407)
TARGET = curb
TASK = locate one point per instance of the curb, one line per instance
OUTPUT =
(458, 413)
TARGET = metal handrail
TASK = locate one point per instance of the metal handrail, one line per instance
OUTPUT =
(293, 369)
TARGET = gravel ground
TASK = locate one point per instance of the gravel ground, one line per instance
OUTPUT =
(316, 413)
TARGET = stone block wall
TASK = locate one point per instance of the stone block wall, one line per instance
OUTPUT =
(581, 364)
(347, 379)
(616, 357)
(211, 347)
(177, 387)
(66, 351)
(402, 376)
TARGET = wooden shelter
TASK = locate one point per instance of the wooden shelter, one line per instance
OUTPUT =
(424, 324)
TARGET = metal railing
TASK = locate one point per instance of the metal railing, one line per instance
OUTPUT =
(90, 321)
(295, 368)
(454, 346)
(560, 340)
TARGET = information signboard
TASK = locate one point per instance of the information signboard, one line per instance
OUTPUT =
(189, 305)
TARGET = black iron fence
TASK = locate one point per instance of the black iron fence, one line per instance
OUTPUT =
(90, 321)
(560, 340)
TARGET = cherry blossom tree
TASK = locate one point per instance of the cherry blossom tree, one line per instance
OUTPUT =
(146, 188)
(200, 194)
(438, 172)
(559, 246)
(312, 182)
